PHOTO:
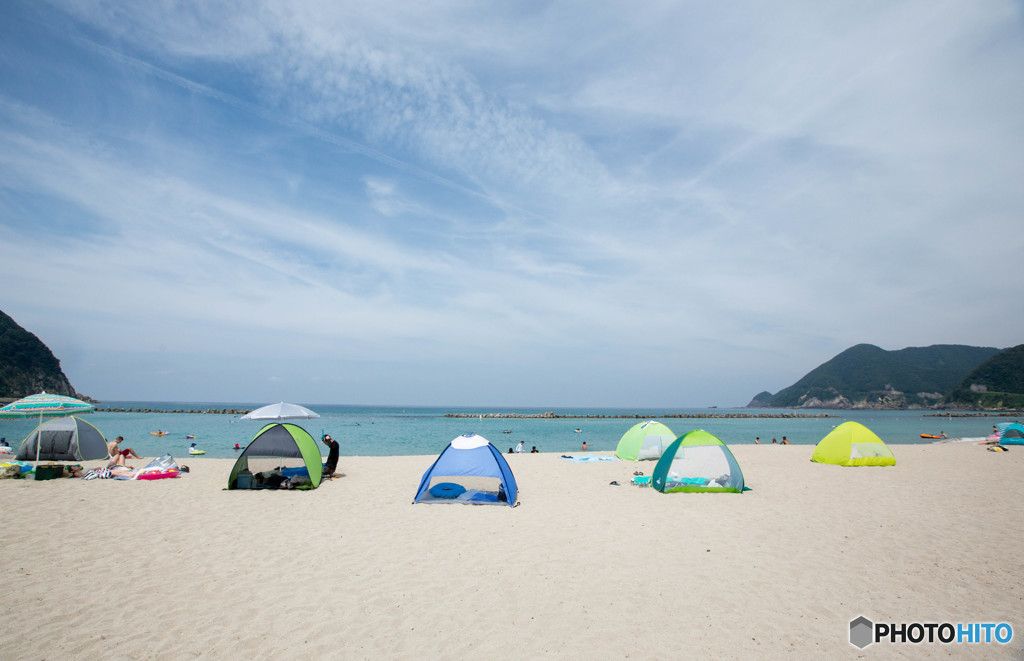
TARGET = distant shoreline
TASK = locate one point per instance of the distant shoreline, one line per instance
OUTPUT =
(591, 416)
(638, 416)
(548, 415)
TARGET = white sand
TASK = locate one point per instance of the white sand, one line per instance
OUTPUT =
(580, 570)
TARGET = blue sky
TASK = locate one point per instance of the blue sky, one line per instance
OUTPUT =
(523, 204)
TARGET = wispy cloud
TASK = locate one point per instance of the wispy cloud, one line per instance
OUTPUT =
(434, 190)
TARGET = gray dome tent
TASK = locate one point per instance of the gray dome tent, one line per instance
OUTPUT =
(64, 439)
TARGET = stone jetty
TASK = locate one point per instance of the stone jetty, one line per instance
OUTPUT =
(211, 411)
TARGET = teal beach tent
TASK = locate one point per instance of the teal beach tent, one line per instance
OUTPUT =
(1012, 434)
(470, 471)
(697, 462)
(280, 447)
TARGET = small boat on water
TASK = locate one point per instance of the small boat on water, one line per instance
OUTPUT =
(159, 433)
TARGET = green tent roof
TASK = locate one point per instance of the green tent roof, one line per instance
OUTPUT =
(281, 439)
(644, 440)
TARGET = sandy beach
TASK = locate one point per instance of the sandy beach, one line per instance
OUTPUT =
(181, 568)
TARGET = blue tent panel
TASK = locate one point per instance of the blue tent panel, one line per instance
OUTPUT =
(470, 456)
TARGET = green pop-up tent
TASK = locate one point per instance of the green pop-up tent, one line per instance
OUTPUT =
(279, 442)
(644, 440)
(853, 444)
(698, 462)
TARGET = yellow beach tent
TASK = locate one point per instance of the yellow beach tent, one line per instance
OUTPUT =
(853, 444)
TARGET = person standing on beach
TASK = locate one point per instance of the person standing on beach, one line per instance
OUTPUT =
(332, 455)
(519, 448)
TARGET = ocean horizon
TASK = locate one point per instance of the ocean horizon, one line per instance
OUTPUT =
(388, 430)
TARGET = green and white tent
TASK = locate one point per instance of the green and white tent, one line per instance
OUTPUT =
(853, 444)
(279, 447)
(644, 441)
(697, 462)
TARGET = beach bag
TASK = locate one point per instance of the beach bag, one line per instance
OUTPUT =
(275, 480)
(297, 482)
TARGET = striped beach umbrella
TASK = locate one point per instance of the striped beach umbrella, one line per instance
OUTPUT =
(45, 405)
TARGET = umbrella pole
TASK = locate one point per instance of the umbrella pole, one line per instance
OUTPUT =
(39, 440)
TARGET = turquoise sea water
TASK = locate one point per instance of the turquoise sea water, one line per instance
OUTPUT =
(397, 430)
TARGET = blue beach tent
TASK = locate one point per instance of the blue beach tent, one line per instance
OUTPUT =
(1011, 434)
(471, 471)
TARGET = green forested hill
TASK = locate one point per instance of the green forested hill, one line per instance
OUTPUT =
(27, 366)
(996, 383)
(868, 376)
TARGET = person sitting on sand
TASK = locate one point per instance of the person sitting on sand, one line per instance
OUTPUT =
(785, 441)
(757, 440)
(118, 455)
(332, 455)
(534, 449)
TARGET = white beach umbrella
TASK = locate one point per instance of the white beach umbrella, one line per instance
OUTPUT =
(281, 411)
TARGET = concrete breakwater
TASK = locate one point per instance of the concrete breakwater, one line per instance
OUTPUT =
(637, 416)
(211, 411)
(980, 414)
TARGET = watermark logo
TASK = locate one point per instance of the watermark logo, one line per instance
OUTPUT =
(864, 632)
